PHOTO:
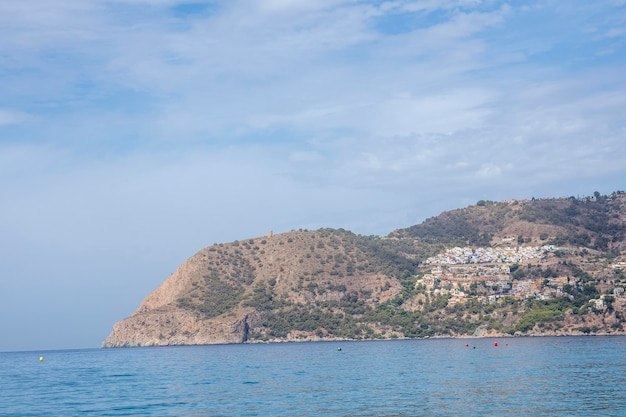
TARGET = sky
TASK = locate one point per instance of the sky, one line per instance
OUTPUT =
(134, 133)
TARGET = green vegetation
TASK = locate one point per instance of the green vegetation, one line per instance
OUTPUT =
(221, 297)
(542, 312)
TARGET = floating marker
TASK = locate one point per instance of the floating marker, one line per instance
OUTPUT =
(467, 345)
(474, 347)
(339, 349)
(41, 359)
(495, 344)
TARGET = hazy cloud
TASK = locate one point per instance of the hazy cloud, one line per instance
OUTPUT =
(9, 117)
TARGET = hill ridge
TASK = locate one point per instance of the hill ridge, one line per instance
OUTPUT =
(334, 284)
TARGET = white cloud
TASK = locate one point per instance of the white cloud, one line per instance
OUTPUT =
(11, 117)
(293, 5)
(489, 170)
(221, 74)
(305, 156)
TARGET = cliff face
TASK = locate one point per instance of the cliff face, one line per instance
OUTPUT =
(160, 321)
(172, 326)
(532, 267)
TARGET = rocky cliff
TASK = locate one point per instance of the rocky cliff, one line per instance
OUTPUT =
(461, 273)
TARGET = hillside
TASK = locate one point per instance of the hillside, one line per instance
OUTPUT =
(597, 222)
(549, 266)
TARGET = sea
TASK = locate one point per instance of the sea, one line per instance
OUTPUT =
(532, 376)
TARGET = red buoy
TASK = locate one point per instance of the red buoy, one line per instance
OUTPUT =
(495, 344)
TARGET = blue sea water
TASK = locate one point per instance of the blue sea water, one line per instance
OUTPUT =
(565, 376)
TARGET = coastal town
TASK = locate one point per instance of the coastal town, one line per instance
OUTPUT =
(508, 254)
(459, 271)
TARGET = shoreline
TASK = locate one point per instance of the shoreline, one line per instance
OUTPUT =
(338, 340)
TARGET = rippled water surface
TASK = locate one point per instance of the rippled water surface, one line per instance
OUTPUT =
(574, 376)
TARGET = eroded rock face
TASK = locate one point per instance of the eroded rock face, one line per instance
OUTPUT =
(160, 321)
(168, 292)
(176, 327)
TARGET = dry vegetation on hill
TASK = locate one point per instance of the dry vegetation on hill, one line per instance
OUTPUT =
(597, 222)
(329, 284)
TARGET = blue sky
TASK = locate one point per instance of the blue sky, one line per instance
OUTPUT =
(133, 133)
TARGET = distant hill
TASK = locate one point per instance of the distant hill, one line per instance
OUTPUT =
(597, 222)
(540, 266)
